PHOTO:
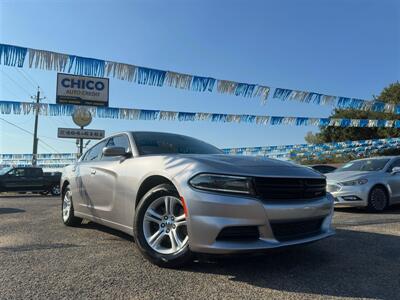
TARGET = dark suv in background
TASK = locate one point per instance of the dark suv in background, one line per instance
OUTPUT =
(29, 179)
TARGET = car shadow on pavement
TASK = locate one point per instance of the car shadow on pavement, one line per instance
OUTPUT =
(10, 210)
(36, 247)
(350, 264)
(105, 229)
(19, 196)
(394, 209)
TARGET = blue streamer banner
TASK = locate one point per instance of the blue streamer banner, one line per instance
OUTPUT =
(360, 148)
(300, 148)
(47, 60)
(336, 101)
(48, 109)
(309, 151)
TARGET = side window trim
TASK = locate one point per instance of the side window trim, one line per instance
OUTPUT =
(111, 138)
(88, 152)
(394, 164)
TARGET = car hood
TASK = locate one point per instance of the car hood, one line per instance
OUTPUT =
(250, 165)
(346, 175)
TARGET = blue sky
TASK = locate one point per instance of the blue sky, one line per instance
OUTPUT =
(340, 47)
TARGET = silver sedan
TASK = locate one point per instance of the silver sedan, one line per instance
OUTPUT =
(373, 183)
(177, 196)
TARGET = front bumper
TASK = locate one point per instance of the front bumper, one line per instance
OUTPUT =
(350, 196)
(210, 213)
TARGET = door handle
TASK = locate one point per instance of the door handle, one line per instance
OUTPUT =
(93, 172)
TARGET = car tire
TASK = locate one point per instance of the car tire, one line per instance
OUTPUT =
(67, 209)
(378, 199)
(172, 249)
(55, 190)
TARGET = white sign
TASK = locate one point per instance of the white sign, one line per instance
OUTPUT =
(76, 133)
(82, 90)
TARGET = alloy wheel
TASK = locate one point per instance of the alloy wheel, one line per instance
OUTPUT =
(66, 207)
(164, 225)
(378, 199)
(55, 190)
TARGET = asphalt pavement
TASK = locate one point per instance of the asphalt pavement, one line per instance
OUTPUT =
(40, 258)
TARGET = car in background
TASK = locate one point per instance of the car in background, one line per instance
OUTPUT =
(178, 195)
(373, 183)
(29, 179)
(324, 169)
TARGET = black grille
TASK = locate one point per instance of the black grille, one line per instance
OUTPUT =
(289, 188)
(236, 233)
(285, 231)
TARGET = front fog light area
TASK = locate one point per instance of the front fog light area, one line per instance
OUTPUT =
(351, 198)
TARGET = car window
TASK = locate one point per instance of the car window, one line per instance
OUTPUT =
(34, 172)
(374, 164)
(396, 163)
(119, 141)
(95, 153)
(4, 170)
(18, 172)
(168, 143)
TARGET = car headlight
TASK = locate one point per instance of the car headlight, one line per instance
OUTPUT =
(355, 182)
(223, 183)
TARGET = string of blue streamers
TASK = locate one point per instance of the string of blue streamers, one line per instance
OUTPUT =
(15, 56)
(12, 55)
(340, 102)
(310, 150)
(357, 151)
(295, 149)
(17, 108)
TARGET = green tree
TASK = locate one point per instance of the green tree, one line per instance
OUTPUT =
(390, 94)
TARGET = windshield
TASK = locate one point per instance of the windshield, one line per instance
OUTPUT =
(167, 143)
(4, 170)
(364, 165)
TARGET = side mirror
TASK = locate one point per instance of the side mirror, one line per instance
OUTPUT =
(114, 151)
(395, 170)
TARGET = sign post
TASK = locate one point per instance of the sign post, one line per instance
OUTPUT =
(81, 117)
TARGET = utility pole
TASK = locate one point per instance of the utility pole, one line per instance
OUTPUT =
(35, 138)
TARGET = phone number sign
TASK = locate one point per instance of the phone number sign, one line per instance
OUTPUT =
(76, 133)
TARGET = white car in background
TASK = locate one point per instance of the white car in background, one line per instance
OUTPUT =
(373, 183)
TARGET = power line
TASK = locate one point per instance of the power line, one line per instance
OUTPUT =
(56, 139)
(35, 85)
(10, 90)
(16, 83)
(30, 79)
(51, 147)
(27, 131)
(4, 120)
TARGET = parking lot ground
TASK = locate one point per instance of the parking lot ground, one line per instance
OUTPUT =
(41, 258)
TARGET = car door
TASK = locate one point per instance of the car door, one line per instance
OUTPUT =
(16, 180)
(104, 181)
(84, 195)
(35, 179)
(394, 181)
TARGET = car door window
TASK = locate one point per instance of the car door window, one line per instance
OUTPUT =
(394, 164)
(18, 173)
(119, 141)
(33, 173)
(95, 153)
